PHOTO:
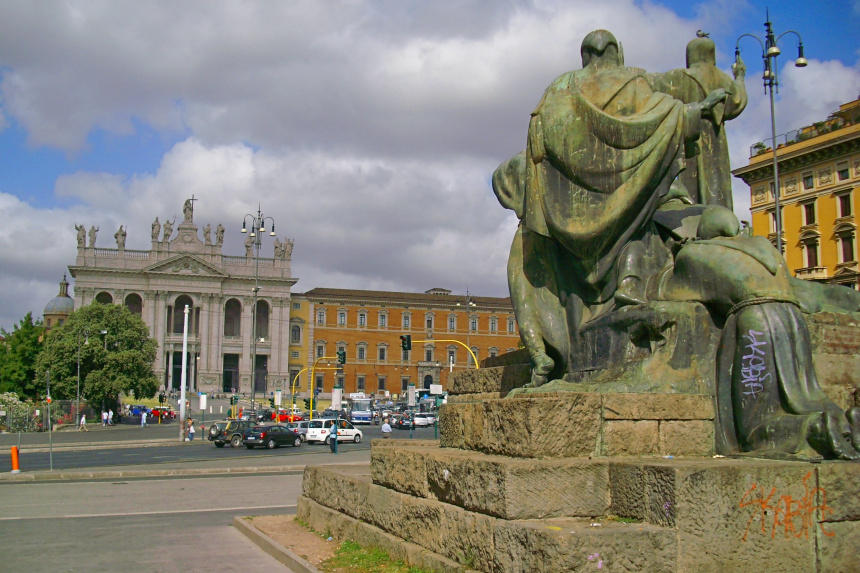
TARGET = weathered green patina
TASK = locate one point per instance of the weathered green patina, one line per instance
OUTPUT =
(624, 199)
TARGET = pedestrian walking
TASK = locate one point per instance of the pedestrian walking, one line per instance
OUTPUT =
(143, 418)
(386, 429)
(110, 417)
(104, 418)
(190, 430)
(83, 426)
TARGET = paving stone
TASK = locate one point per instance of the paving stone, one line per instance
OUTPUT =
(658, 407)
(687, 438)
(631, 438)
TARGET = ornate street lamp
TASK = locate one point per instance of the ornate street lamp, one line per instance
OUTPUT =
(258, 227)
(769, 53)
(468, 307)
(86, 335)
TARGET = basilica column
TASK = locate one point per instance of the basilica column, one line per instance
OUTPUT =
(169, 349)
(216, 363)
(246, 369)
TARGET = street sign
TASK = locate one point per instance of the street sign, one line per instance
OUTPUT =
(202, 400)
(278, 397)
(436, 389)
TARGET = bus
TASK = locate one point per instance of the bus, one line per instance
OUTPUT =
(360, 409)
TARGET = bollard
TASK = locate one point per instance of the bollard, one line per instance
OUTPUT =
(15, 468)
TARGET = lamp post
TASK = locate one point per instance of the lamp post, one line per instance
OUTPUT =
(769, 53)
(469, 305)
(86, 334)
(258, 227)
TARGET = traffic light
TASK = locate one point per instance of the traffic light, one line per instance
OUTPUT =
(272, 402)
(307, 404)
(161, 398)
(234, 400)
(341, 356)
(406, 341)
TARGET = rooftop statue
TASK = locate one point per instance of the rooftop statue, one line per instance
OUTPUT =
(599, 190)
(120, 236)
(168, 230)
(188, 210)
(81, 235)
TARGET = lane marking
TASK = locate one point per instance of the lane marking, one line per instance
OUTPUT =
(143, 513)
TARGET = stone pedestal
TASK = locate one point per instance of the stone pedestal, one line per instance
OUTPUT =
(455, 510)
(593, 480)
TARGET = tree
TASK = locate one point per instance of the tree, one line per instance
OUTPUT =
(115, 362)
(18, 352)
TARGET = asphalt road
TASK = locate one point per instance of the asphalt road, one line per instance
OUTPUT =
(102, 453)
(150, 525)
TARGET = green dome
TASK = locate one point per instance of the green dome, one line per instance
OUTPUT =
(62, 303)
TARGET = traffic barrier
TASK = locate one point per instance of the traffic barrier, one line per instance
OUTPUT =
(15, 468)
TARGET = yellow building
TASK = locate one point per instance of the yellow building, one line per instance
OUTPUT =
(299, 347)
(819, 175)
(368, 325)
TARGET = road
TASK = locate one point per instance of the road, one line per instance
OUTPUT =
(101, 453)
(150, 525)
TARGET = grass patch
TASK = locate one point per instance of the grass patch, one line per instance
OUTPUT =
(350, 557)
(620, 519)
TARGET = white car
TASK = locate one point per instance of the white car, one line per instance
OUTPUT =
(319, 431)
(423, 420)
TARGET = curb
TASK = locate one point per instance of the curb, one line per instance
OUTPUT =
(81, 447)
(116, 474)
(270, 546)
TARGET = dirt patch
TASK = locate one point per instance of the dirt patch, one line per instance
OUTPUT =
(297, 538)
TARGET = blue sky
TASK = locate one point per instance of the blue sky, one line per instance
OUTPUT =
(368, 129)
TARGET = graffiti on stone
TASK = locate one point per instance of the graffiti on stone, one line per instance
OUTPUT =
(791, 516)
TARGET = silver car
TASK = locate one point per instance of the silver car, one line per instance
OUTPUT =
(301, 428)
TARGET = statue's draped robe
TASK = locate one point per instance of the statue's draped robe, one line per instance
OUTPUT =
(767, 391)
(603, 148)
(708, 177)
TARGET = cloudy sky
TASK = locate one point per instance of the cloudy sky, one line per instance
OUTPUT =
(368, 129)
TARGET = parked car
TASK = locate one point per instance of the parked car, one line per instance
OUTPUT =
(402, 422)
(163, 412)
(270, 436)
(301, 428)
(318, 431)
(423, 420)
(287, 416)
(229, 433)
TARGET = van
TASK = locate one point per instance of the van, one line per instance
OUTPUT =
(318, 431)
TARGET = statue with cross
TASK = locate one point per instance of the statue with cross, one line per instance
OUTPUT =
(188, 210)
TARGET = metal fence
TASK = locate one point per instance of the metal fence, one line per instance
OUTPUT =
(33, 416)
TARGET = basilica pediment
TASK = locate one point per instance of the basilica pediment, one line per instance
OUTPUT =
(185, 264)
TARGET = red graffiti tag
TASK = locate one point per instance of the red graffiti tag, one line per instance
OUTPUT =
(792, 515)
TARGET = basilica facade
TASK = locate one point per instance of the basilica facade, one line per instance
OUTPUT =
(225, 334)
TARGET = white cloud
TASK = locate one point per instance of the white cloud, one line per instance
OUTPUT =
(368, 129)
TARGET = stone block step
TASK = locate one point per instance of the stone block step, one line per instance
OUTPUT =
(458, 539)
(725, 514)
(509, 488)
(580, 424)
